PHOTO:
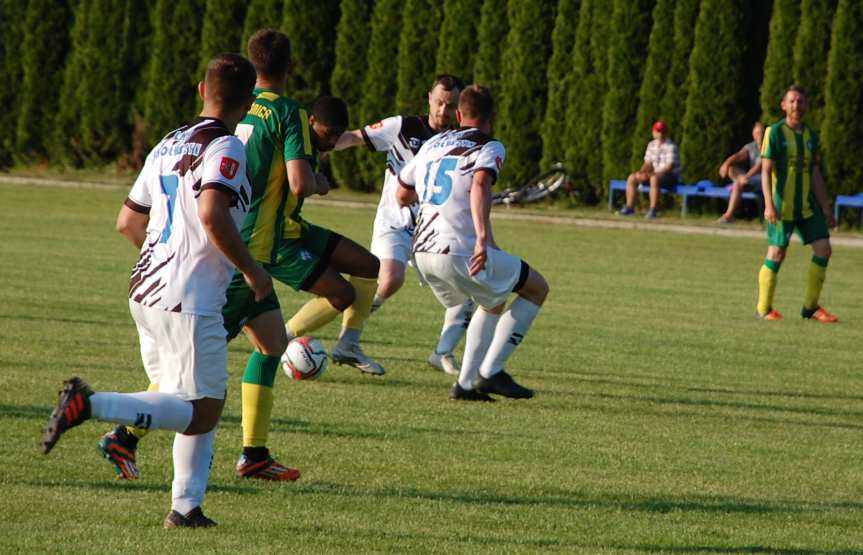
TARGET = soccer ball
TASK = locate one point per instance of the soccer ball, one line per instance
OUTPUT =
(304, 359)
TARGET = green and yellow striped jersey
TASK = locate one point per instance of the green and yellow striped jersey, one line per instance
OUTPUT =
(276, 130)
(793, 154)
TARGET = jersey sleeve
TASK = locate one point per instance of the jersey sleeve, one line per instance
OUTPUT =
(769, 148)
(224, 166)
(140, 200)
(381, 136)
(298, 136)
(490, 158)
(407, 177)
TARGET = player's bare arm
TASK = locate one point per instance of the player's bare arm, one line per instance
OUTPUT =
(302, 180)
(132, 225)
(406, 195)
(480, 209)
(214, 213)
(350, 139)
(767, 190)
(820, 192)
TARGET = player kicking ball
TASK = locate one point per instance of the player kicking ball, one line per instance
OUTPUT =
(282, 141)
(451, 177)
(401, 138)
(194, 193)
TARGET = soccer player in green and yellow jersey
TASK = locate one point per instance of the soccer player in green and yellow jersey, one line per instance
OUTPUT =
(795, 198)
(282, 142)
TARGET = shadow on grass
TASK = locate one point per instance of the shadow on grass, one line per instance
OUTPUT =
(118, 486)
(30, 317)
(758, 549)
(664, 385)
(817, 411)
(574, 500)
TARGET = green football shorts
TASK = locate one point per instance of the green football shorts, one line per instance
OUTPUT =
(299, 264)
(811, 229)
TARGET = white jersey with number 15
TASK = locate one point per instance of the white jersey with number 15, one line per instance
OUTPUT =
(442, 173)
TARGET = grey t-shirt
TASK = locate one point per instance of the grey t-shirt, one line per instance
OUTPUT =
(754, 153)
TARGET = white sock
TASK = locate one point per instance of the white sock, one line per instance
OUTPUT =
(193, 457)
(455, 322)
(508, 335)
(479, 336)
(148, 410)
(378, 302)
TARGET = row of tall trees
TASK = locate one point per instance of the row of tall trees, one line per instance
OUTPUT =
(89, 82)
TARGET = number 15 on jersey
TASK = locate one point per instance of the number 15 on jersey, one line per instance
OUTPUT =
(438, 189)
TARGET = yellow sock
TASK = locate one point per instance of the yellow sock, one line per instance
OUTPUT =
(257, 411)
(767, 285)
(315, 314)
(814, 282)
(358, 313)
(141, 432)
(258, 379)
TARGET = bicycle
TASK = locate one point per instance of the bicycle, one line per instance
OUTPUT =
(545, 185)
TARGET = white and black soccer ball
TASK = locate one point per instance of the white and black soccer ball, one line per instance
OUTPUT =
(305, 358)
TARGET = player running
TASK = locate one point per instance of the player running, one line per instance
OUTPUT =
(451, 177)
(794, 198)
(184, 212)
(401, 138)
(281, 142)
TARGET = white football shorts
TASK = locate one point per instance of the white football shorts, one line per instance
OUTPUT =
(392, 244)
(186, 354)
(449, 277)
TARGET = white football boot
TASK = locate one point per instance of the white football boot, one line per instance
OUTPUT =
(444, 362)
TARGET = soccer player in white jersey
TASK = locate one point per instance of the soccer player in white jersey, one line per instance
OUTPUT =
(183, 212)
(401, 138)
(455, 251)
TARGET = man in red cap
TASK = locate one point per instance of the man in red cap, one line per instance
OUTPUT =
(661, 168)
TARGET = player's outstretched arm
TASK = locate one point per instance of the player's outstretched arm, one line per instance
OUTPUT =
(215, 216)
(133, 225)
(350, 139)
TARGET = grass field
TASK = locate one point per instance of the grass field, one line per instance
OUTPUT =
(667, 419)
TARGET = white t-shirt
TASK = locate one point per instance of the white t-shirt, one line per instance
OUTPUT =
(401, 137)
(442, 174)
(180, 270)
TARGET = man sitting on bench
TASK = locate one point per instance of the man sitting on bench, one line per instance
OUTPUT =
(661, 168)
(743, 168)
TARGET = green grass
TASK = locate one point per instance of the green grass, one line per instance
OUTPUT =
(667, 419)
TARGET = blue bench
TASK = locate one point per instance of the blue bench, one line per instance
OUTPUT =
(850, 201)
(707, 189)
(620, 185)
(703, 188)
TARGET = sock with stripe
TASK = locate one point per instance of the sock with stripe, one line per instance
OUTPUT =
(138, 433)
(257, 389)
(479, 335)
(814, 282)
(193, 458)
(508, 335)
(152, 411)
(313, 315)
(455, 323)
(767, 285)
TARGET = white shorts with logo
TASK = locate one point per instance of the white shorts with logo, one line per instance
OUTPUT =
(449, 277)
(186, 354)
